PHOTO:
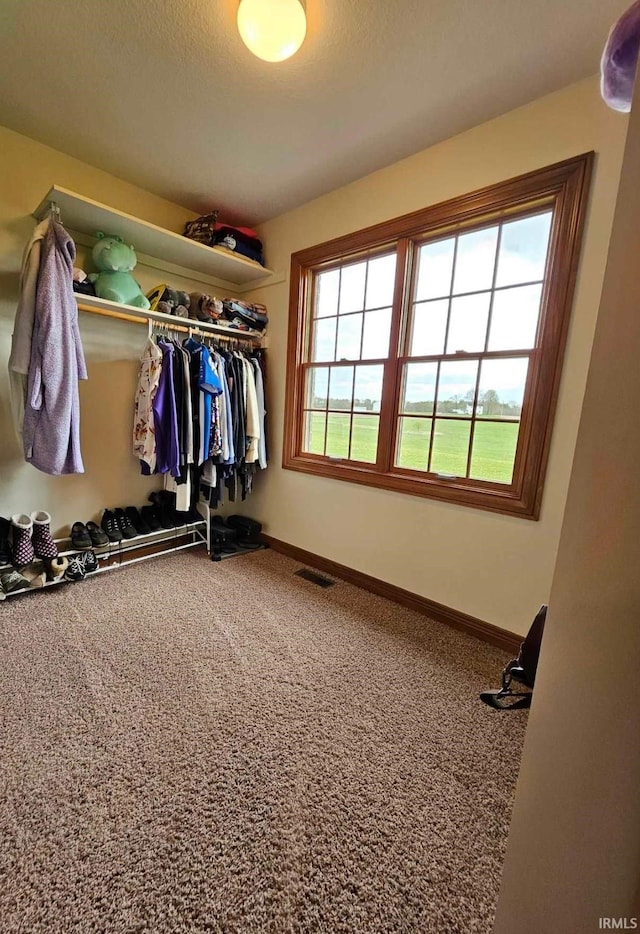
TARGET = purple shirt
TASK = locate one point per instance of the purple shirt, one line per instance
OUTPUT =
(165, 417)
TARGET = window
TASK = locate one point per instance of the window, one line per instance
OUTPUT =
(425, 353)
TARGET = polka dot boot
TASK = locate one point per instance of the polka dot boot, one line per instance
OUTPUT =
(43, 544)
(21, 545)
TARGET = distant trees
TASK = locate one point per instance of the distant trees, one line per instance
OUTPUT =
(489, 405)
(366, 405)
(424, 407)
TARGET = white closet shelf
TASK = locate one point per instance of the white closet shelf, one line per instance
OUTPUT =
(100, 306)
(154, 245)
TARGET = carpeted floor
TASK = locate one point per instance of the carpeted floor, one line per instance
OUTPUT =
(191, 747)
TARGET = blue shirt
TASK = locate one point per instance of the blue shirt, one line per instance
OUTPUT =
(210, 386)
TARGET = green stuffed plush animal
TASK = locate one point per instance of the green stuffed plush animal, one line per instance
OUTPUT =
(115, 259)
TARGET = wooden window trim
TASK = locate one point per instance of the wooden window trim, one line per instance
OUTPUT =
(565, 186)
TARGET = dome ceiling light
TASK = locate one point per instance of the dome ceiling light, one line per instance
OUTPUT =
(273, 30)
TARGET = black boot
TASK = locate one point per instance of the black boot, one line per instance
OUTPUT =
(164, 503)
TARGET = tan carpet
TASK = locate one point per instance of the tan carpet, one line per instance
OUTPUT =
(191, 747)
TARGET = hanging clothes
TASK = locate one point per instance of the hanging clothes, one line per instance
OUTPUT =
(20, 356)
(253, 415)
(210, 387)
(200, 420)
(166, 417)
(262, 446)
(51, 425)
(144, 439)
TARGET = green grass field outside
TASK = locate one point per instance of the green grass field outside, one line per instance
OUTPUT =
(494, 444)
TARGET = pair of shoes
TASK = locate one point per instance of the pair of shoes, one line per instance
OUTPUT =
(31, 538)
(117, 525)
(84, 537)
(165, 508)
(11, 581)
(80, 565)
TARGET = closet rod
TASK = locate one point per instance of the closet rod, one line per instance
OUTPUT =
(205, 335)
(123, 316)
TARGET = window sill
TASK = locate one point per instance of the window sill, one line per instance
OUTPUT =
(486, 496)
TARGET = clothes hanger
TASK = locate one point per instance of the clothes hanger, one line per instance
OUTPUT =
(54, 212)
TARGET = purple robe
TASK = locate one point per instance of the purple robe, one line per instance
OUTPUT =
(51, 431)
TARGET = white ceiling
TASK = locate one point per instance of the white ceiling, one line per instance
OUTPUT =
(164, 94)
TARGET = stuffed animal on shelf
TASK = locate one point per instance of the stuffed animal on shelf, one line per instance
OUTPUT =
(169, 301)
(115, 259)
(204, 307)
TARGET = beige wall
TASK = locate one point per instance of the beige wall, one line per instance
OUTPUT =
(574, 845)
(112, 348)
(495, 567)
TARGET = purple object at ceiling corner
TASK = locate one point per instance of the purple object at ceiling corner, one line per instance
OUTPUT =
(620, 60)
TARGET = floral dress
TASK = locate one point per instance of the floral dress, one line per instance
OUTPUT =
(144, 440)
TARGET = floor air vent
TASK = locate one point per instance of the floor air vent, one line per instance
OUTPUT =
(314, 578)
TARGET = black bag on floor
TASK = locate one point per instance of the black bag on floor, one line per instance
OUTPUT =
(522, 669)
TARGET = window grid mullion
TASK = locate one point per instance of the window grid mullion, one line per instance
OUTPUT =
(446, 338)
(493, 288)
(364, 302)
(355, 362)
(360, 311)
(350, 436)
(326, 408)
(498, 288)
(433, 419)
(308, 342)
(450, 297)
(335, 343)
(462, 418)
(335, 354)
(353, 389)
(494, 278)
(471, 355)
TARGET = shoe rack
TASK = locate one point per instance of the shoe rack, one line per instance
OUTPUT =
(116, 555)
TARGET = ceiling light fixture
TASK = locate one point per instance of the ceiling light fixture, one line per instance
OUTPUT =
(272, 29)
